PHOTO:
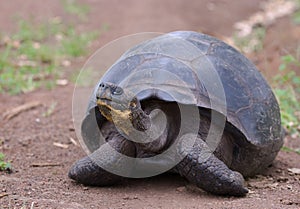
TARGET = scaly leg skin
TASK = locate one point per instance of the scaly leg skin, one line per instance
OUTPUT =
(87, 172)
(209, 173)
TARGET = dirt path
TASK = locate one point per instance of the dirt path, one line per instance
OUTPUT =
(28, 138)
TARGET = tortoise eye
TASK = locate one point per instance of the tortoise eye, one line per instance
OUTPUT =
(133, 103)
(117, 91)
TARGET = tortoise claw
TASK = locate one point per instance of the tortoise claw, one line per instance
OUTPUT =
(86, 172)
(211, 174)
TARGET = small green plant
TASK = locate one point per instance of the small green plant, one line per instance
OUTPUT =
(287, 91)
(4, 166)
(252, 42)
(50, 110)
(73, 7)
(75, 45)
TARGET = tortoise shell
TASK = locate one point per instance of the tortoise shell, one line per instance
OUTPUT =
(197, 69)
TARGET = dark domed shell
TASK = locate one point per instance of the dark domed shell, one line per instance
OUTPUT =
(190, 68)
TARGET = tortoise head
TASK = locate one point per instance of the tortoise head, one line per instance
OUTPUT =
(119, 106)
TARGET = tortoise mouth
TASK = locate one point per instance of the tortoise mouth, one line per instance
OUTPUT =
(104, 99)
(105, 108)
(108, 110)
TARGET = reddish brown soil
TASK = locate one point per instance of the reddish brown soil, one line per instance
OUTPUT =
(28, 138)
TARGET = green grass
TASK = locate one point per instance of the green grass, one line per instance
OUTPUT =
(33, 56)
(288, 149)
(296, 15)
(75, 8)
(75, 45)
(50, 110)
(286, 87)
(252, 42)
(4, 166)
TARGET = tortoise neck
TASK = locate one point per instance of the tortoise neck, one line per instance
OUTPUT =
(140, 120)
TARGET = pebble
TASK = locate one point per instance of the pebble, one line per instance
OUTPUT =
(181, 189)
(62, 82)
(294, 170)
(71, 128)
(282, 179)
(126, 198)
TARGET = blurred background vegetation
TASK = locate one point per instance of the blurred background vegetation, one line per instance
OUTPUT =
(36, 54)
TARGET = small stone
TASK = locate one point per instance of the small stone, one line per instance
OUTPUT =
(273, 186)
(71, 128)
(181, 189)
(66, 63)
(251, 191)
(126, 198)
(59, 37)
(294, 136)
(294, 170)
(282, 179)
(24, 142)
(16, 44)
(62, 82)
(36, 45)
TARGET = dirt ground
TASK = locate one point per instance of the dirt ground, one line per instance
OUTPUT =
(27, 139)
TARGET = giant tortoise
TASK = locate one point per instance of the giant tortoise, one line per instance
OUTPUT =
(194, 80)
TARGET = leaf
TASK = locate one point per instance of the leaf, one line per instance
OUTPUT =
(296, 80)
(288, 58)
(7, 166)
(282, 67)
(1, 156)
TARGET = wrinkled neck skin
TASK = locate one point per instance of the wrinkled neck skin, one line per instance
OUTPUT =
(139, 119)
(148, 123)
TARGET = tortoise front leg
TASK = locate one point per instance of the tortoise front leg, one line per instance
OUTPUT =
(202, 168)
(88, 172)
